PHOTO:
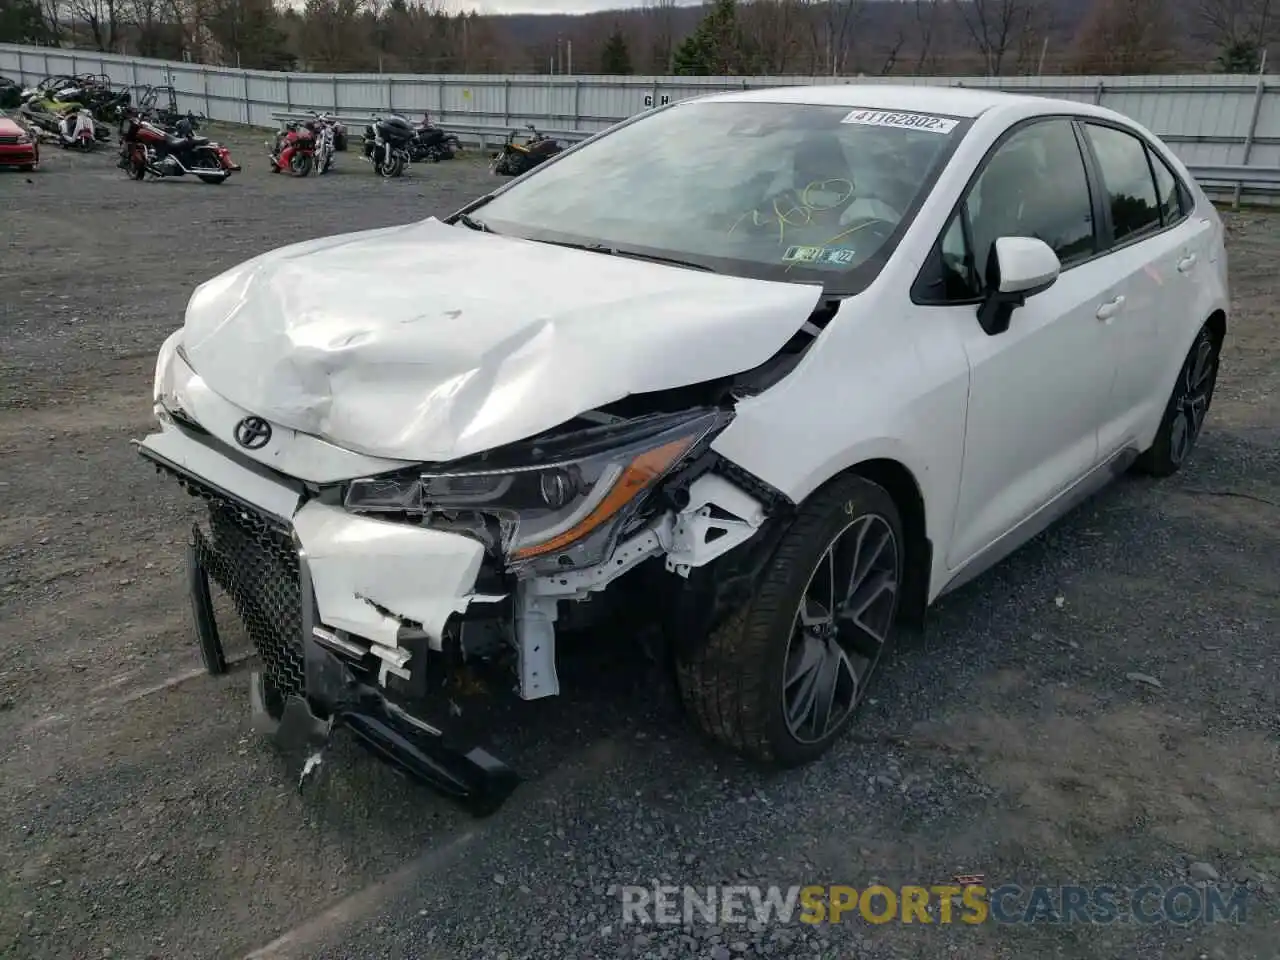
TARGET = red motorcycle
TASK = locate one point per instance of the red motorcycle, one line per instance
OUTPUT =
(148, 148)
(295, 149)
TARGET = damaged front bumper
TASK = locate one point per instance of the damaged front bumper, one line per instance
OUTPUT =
(315, 589)
(359, 621)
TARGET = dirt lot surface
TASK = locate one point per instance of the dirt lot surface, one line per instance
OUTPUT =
(142, 818)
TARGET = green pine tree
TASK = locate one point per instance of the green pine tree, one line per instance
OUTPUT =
(716, 47)
(21, 21)
(1240, 56)
(615, 58)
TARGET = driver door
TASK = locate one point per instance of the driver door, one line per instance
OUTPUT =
(1038, 390)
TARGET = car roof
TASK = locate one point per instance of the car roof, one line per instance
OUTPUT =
(950, 101)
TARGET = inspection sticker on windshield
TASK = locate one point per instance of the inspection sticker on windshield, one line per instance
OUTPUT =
(827, 256)
(904, 121)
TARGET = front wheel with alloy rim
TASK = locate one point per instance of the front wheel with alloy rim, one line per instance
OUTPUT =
(782, 678)
(1187, 408)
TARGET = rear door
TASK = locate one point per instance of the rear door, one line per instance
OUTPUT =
(1161, 252)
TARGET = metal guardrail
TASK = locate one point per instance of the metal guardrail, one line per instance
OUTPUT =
(478, 133)
(1262, 182)
(1250, 175)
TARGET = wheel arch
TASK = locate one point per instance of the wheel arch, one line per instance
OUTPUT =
(1217, 324)
(903, 487)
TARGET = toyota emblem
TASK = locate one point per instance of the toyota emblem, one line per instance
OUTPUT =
(253, 433)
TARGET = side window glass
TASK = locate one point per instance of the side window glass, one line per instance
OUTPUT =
(1131, 191)
(1034, 185)
(1167, 192)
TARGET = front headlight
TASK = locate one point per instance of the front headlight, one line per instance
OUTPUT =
(564, 497)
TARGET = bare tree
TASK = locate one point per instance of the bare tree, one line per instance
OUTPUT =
(1239, 29)
(1126, 37)
(1000, 29)
(660, 17)
(773, 32)
(831, 28)
(924, 16)
(101, 18)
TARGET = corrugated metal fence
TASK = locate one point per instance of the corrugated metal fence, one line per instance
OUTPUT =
(1210, 120)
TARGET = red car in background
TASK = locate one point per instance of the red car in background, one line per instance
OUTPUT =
(18, 147)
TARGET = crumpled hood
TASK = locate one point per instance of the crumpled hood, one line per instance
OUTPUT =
(429, 342)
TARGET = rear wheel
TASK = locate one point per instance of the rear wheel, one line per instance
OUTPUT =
(211, 178)
(300, 164)
(781, 679)
(1188, 406)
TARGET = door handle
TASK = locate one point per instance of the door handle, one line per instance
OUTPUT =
(1186, 263)
(1110, 308)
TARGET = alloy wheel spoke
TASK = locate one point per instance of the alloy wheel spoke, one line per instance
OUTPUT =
(806, 663)
(804, 697)
(844, 618)
(824, 694)
(879, 585)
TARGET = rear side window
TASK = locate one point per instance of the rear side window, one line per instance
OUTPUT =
(1172, 199)
(1126, 175)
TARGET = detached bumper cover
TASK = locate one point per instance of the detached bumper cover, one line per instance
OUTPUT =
(380, 591)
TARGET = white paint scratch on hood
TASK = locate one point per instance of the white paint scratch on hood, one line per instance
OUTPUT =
(431, 342)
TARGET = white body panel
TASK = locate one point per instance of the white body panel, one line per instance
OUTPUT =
(429, 342)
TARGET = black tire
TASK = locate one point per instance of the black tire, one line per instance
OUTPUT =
(1187, 409)
(392, 166)
(27, 167)
(211, 178)
(733, 684)
(300, 164)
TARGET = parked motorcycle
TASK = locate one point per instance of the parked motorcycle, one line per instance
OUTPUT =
(147, 148)
(325, 128)
(76, 130)
(338, 128)
(430, 144)
(294, 149)
(386, 144)
(516, 158)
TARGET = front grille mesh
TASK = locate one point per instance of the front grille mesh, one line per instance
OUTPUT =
(251, 556)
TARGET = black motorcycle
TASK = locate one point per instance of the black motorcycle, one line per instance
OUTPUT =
(387, 142)
(430, 144)
(516, 158)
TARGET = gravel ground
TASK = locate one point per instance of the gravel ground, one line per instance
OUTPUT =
(143, 819)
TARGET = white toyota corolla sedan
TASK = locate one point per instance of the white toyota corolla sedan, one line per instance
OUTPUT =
(773, 369)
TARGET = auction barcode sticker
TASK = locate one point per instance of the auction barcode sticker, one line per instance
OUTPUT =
(904, 121)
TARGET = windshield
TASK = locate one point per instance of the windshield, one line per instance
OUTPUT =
(770, 190)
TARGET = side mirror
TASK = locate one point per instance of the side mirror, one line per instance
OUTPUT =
(1017, 268)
